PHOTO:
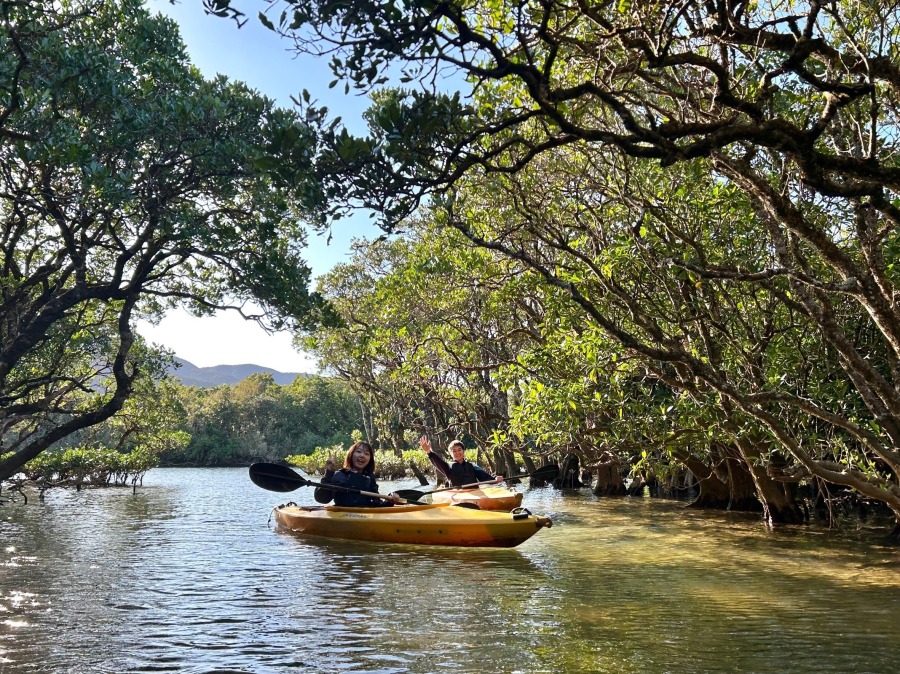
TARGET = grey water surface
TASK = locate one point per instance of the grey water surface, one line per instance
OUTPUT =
(187, 575)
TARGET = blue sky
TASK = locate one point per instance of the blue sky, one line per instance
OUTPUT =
(255, 55)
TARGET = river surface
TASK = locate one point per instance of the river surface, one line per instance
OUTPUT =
(188, 575)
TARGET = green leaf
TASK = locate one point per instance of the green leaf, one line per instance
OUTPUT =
(264, 20)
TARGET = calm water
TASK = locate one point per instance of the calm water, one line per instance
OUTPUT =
(186, 576)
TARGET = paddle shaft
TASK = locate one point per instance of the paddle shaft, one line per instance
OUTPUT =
(466, 486)
(335, 487)
(547, 472)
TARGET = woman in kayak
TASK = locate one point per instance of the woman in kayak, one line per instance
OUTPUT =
(357, 473)
(461, 472)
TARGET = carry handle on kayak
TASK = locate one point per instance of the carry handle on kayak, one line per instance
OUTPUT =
(275, 477)
(549, 472)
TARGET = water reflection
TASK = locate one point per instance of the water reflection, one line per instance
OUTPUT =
(186, 576)
(378, 605)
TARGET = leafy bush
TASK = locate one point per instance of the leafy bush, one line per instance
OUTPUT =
(388, 465)
(88, 466)
(314, 463)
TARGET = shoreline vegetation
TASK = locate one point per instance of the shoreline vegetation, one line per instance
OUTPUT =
(85, 469)
(258, 420)
(80, 468)
(91, 468)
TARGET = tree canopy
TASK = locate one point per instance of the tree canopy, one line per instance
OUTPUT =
(129, 183)
(713, 185)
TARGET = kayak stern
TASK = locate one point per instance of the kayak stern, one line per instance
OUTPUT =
(486, 498)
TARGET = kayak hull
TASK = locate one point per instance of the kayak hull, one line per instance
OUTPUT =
(435, 524)
(486, 498)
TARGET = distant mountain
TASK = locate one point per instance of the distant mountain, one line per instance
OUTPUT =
(191, 375)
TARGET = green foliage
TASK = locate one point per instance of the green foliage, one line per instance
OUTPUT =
(88, 466)
(431, 318)
(702, 207)
(313, 463)
(388, 466)
(258, 420)
(393, 467)
(130, 184)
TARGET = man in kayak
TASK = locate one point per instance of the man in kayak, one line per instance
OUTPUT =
(462, 472)
(358, 473)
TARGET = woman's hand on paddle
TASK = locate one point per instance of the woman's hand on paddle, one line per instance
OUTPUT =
(425, 444)
(394, 498)
(499, 479)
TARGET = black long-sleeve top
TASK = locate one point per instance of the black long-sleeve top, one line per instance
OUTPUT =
(347, 478)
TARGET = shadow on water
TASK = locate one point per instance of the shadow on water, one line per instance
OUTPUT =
(188, 576)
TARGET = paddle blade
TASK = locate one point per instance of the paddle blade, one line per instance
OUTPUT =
(275, 477)
(549, 472)
(410, 494)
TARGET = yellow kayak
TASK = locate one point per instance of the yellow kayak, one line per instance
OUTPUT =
(486, 498)
(434, 524)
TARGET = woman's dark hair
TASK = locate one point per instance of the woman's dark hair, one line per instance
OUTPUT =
(370, 467)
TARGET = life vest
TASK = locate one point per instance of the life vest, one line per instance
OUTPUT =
(462, 473)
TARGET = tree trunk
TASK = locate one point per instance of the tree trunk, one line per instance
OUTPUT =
(366, 418)
(569, 472)
(778, 499)
(743, 495)
(418, 473)
(894, 536)
(714, 493)
(528, 463)
(609, 476)
(728, 486)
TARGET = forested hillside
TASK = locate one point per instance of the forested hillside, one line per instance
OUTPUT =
(190, 375)
(258, 420)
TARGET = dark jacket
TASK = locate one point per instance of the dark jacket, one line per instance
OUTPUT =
(347, 478)
(461, 472)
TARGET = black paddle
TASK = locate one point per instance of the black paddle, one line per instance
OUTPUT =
(549, 472)
(275, 477)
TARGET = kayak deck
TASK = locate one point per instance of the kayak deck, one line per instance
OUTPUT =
(486, 498)
(433, 524)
